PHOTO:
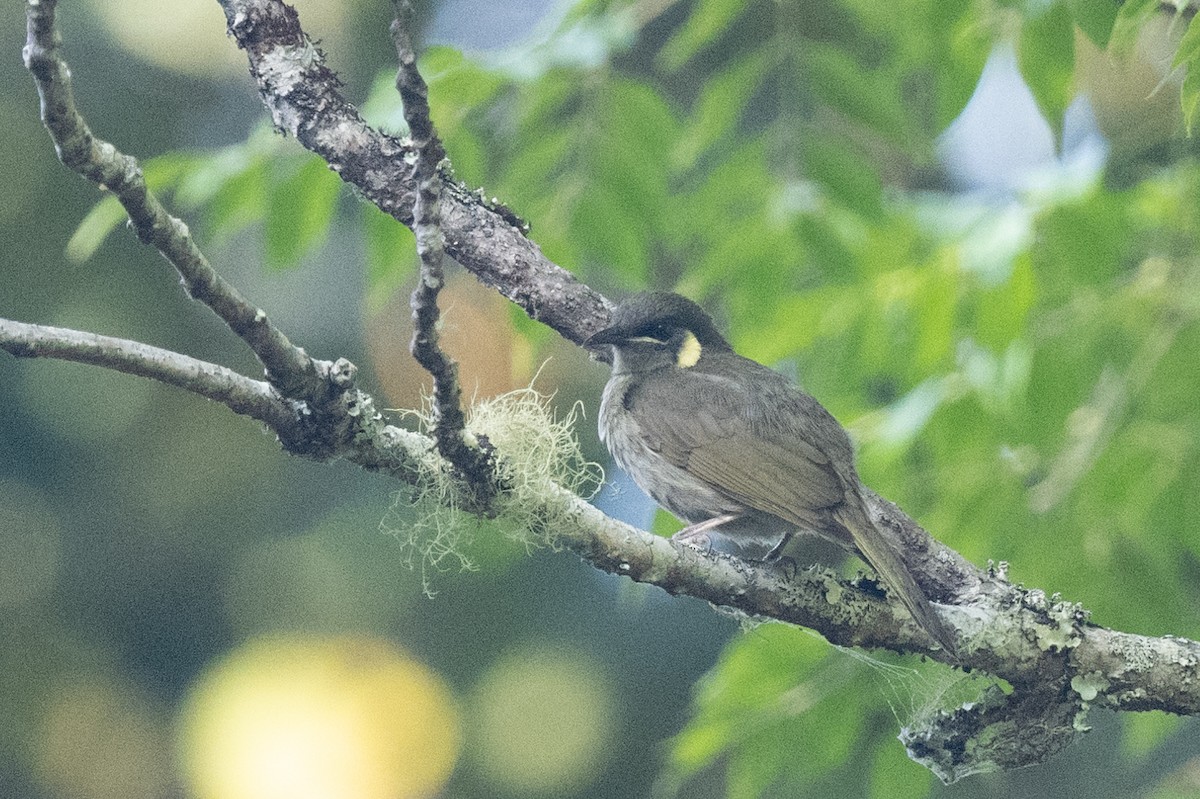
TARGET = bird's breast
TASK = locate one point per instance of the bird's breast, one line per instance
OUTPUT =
(668, 484)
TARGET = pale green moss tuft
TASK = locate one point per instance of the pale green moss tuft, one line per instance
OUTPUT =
(534, 449)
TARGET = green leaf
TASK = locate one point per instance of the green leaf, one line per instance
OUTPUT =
(1003, 310)
(165, 171)
(536, 168)
(390, 251)
(459, 91)
(935, 307)
(965, 40)
(299, 211)
(94, 228)
(1046, 56)
(620, 176)
(847, 86)
(239, 202)
(664, 524)
(1189, 46)
(457, 82)
(1095, 18)
(719, 107)
(708, 20)
(846, 174)
(1188, 57)
(766, 708)
(160, 173)
(211, 174)
(1130, 18)
(751, 771)
(894, 775)
(609, 234)
(382, 109)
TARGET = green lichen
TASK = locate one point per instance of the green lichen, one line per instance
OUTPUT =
(1089, 685)
(1062, 633)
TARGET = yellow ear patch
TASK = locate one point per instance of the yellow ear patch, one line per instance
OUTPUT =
(688, 352)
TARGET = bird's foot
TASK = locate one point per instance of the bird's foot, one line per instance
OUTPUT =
(695, 540)
(697, 535)
(776, 553)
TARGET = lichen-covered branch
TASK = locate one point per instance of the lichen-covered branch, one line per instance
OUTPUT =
(1057, 662)
(303, 97)
(287, 366)
(449, 423)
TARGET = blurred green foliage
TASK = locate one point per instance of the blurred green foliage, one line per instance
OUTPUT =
(1019, 371)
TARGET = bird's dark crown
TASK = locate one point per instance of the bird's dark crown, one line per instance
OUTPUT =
(659, 315)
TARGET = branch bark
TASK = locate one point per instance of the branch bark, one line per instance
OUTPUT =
(449, 424)
(253, 398)
(287, 366)
(303, 97)
(1057, 662)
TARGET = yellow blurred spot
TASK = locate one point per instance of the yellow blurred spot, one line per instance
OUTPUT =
(544, 722)
(318, 718)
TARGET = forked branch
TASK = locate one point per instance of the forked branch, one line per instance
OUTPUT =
(1058, 663)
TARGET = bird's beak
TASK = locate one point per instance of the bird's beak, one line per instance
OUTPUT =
(609, 335)
(598, 344)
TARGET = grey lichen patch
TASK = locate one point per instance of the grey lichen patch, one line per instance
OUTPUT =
(1089, 685)
(1138, 653)
(1062, 631)
(957, 744)
(854, 607)
(833, 590)
(999, 732)
(377, 179)
(538, 460)
(494, 205)
(283, 66)
(346, 134)
(286, 118)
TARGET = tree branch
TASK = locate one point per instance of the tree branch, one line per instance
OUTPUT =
(302, 94)
(1058, 663)
(287, 366)
(449, 423)
(253, 398)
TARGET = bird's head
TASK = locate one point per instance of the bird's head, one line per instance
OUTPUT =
(657, 329)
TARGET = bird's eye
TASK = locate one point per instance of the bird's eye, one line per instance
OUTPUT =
(660, 332)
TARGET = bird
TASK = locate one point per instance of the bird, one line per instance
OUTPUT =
(734, 449)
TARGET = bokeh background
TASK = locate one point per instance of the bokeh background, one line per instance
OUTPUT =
(869, 197)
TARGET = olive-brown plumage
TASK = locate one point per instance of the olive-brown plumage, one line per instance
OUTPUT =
(733, 448)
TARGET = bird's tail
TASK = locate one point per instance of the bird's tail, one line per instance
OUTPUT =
(881, 554)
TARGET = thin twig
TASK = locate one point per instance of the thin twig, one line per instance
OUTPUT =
(287, 366)
(241, 394)
(449, 423)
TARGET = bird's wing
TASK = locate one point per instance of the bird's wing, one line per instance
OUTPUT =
(777, 452)
(719, 433)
